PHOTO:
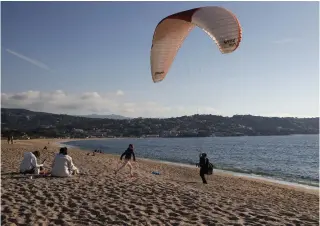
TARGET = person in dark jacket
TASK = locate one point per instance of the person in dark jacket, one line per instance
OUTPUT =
(127, 157)
(203, 164)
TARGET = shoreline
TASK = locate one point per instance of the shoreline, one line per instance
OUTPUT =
(219, 171)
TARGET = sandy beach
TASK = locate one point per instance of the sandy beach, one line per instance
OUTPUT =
(176, 197)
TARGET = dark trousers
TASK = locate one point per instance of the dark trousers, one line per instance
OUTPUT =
(202, 172)
(31, 171)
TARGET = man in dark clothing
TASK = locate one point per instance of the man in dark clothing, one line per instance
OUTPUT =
(127, 157)
(127, 154)
(203, 164)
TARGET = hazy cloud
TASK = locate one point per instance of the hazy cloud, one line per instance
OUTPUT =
(287, 115)
(120, 93)
(284, 41)
(30, 60)
(93, 102)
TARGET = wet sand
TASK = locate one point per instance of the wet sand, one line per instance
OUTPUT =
(176, 197)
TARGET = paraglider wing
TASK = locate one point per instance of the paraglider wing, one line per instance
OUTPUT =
(219, 23)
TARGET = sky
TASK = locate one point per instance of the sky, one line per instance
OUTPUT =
(94, 58)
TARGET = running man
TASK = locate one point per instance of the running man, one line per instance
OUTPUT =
(127, 157)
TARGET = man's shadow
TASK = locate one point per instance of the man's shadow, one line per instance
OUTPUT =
(18, 175)
(181, 181)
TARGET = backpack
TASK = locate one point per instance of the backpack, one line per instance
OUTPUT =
(210, 168)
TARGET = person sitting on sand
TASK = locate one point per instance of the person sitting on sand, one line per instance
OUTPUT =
(203, 164)
(29, 163)
(127, 159)
(62, 165)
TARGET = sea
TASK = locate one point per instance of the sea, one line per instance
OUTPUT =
(292, 159)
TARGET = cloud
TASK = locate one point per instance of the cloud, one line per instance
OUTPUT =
(120, 93)
(284, 41)
(90, 95)
(93, 102)
(287, 115)
(32, 61)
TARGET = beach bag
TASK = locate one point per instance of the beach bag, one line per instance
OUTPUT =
(210, 168)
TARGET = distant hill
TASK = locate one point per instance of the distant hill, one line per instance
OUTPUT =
(112, 116)
(25, 123)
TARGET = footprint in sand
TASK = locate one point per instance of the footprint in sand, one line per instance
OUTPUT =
(233, 218)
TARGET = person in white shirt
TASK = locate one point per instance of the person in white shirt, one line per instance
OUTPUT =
(29, 163)
(62, 165)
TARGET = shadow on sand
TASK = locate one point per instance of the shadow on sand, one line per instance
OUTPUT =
(181, 181)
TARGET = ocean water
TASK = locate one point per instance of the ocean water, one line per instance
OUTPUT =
(287, 158)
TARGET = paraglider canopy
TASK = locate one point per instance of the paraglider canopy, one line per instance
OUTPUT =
(220, 24)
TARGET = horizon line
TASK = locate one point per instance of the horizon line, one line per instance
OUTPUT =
(127, 117)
